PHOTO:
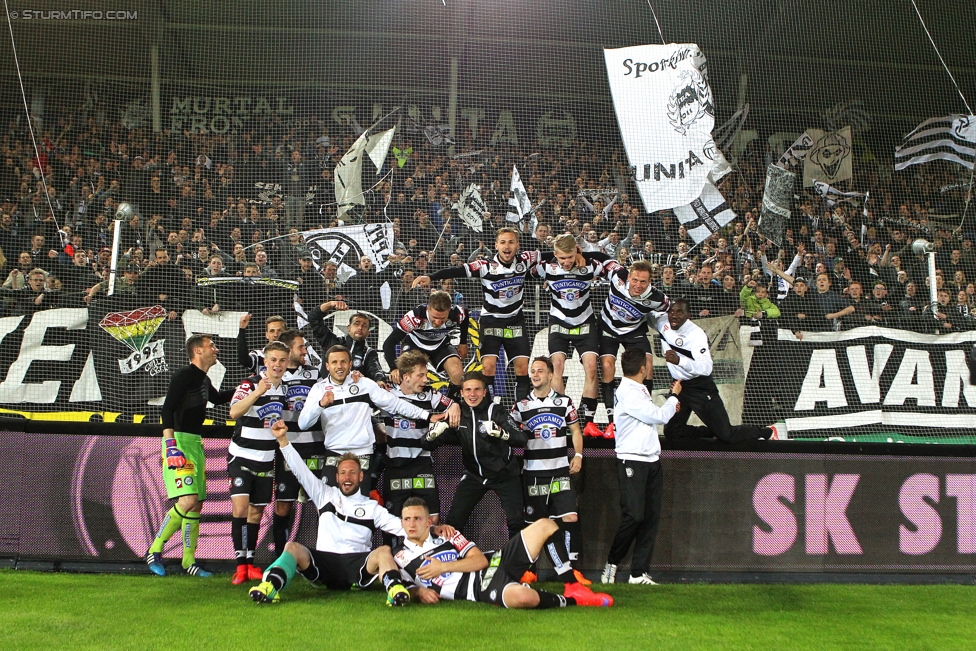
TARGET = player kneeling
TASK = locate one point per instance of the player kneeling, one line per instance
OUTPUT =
(342, 556)
(452, 567)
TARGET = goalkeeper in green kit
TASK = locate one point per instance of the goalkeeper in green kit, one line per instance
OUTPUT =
(184, 411)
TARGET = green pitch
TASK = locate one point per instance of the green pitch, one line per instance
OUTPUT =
(43, 610)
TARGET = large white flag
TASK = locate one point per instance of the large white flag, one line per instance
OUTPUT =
(665, 111)
(830, 159)
(519, 199)
(706, 214)
(349, 170)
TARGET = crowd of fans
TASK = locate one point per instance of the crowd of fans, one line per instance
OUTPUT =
(236, 206)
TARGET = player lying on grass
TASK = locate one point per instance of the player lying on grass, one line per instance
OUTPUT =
(342, 556)
(449, 566)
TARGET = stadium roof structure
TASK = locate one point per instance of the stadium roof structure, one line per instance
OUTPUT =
(795, 57)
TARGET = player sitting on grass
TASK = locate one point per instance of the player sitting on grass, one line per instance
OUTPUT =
(342, 556)
(449, 566)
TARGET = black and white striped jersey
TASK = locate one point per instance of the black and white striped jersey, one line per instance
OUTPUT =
(547, 420)
(421, 332)
(454, 586)
(403, 435)
(346, 522)
(298, 382)
(253, 444)
(502, 285)
(624, 314)
(570, 291)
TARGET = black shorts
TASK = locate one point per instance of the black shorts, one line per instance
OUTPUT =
(287, 488)
(514, 338)
(257, 485)
(332, 463)
(338, 571)
(437, 357)
(584, 342)
(504, 568)
(413, 480)
(548, 496)
(610, 343)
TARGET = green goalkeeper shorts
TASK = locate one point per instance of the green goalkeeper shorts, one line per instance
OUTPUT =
(191, 479)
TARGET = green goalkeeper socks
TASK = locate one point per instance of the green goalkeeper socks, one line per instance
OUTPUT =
(282, 571)
(191, 531)
(171, 524)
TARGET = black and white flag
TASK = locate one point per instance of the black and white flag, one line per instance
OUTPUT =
(797, 152)
(831, 158)
(777, 203)
(471, 208)
(724, 135)
(347, 244)
(951, 138)
(706, 214)
(833, 196)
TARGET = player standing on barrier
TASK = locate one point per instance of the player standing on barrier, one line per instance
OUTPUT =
(451, 567)
(549, 416)
(409, 469)
(345, 408)
(258, 403)
(184, 473)
(638, 468)
(429, 328)
(347, 519)
(298, 380)
(366, 360)
(253, 360)
(572, 322)
(502, 324)
(486, 435)
(624, 318)
(686, 350)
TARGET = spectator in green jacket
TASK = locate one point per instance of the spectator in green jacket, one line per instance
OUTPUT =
(756, 303)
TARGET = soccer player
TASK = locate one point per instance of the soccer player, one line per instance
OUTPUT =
(638, 468)
(572, 322)
(253, 360)
(430, 328)
(549, 416)
(258, 403)
(366, 360)
(689, 359)
(298, 380)
(502, 323)
(184, 474)
(451, 567)
(409, 469)
(342, 556)
(486, 435)
(631, 299)
(345, 409)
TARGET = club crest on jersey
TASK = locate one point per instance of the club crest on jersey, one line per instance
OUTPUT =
(446, 556)
(353, 390)
(679, 342)
(270, 413)
(360, 512)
